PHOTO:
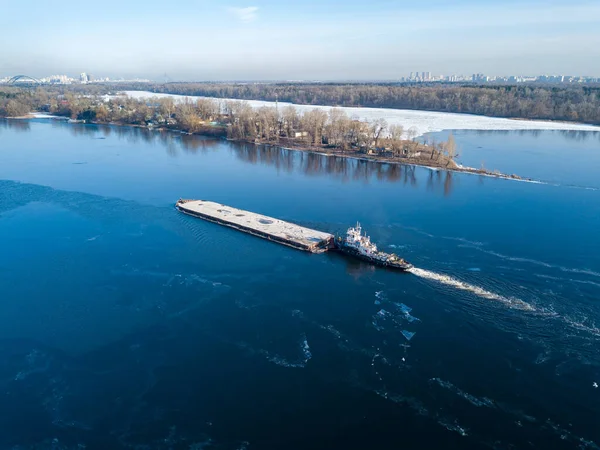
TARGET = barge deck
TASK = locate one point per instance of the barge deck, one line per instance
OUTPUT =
(269, 228)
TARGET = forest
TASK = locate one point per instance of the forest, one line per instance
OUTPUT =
(571, 103)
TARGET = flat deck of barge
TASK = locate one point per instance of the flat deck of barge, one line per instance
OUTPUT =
(276, 230)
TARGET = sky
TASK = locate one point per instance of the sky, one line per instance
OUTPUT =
(185, 40)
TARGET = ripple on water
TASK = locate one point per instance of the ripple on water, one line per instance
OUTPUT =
(447, 280)
(303, 351)
(534, 262)
(475, 401)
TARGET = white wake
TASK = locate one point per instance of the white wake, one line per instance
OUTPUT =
(449, 281)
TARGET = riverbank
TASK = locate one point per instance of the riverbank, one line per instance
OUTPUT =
(431, 164)
(415, 122)
(427, 157)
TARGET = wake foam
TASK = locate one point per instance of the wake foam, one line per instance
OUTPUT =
(304, 350)
(569, 280)
(454, 426)
(475, 401)
(449, 281)
(583, 325)
(534, 261)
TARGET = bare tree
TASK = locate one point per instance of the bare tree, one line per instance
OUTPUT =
(314, 123)
(291, 121)
(377, 128)
(395, 133)
(208, 109)
(450, 147)
(187, 116)
(247, 121)
(412, 133)
(267, 123)
(358, 134)
(15, 108)
(337, 127)
(166, 108)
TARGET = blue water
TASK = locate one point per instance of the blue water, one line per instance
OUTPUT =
(568, 158)
(124, 324)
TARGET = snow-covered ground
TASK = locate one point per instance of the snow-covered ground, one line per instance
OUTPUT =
(422, 121)
(39, 115)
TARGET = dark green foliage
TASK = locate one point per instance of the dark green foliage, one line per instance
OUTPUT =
(88, 115)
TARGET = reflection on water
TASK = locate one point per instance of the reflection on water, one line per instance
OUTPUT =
(172, 141)
(291, 161)
(15, 124)
(358, 269)
(283, 159)
(315, 164)
(555, 157)
(439, 178)
(574, 135)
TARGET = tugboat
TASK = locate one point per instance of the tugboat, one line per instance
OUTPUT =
(360, 246)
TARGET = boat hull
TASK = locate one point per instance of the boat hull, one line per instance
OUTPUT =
(400, 266)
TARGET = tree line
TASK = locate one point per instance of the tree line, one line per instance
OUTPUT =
(571, 103)
(567, 103)
(332, 130)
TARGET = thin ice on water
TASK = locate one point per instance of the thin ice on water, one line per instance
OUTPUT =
(408, 334)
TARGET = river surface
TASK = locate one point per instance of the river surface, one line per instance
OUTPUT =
(127, 325)
(559, 157)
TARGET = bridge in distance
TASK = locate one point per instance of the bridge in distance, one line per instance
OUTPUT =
(24, 79)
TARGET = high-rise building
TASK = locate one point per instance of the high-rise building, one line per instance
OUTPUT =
(83, 77)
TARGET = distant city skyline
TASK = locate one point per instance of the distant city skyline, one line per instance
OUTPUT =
(82, 78)
(415, 77)
(310, 40)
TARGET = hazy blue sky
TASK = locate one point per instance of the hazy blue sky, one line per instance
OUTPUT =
(311, 39)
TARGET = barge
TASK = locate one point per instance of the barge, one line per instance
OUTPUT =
(269, 228)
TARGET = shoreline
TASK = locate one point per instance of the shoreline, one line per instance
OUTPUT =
(340, 154)
(423, 120)
(384, 160)
(38, 115)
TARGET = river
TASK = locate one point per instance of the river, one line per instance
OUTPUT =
(125, 324)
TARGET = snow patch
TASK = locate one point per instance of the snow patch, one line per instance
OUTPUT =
(420, 121)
